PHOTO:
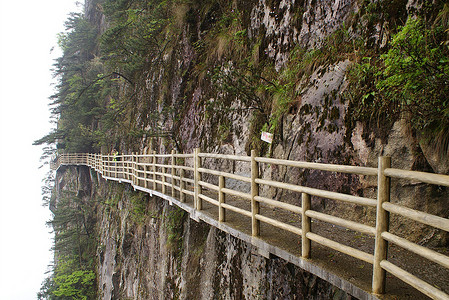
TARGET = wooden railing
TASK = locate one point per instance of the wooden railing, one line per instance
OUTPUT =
(183, 173)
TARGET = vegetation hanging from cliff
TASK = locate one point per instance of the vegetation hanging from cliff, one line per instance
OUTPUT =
(77, 105)
(416, 75)
(411, 78)
(133, 41)
(73, 275)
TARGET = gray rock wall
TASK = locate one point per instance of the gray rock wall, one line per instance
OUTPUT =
(318, 130)
(163, 254)
(168, 255)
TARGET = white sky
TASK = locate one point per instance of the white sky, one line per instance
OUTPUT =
(28, 31)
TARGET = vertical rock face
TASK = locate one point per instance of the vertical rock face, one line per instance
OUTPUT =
(287, 23)
(149, 250)
(316, 128)
(164, 254)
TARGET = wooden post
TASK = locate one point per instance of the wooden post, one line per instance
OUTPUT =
(130, 167)
(221, 199)
(125, 167)
(173, 173)
(103, 165)
(199, 205)
(163, 176)
(145, 169)
(119, 163)
(129, 164)
(306, 224)
(382, 224)
(120, 167)
(154, 170)
(255, 207)
(116, 165)
(134, 168)
(182, 186)
(197, 178)
(106, 165)
(139, 168)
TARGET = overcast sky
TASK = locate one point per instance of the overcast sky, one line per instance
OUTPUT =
(28, 31)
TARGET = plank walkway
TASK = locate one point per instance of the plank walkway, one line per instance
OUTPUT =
(338, 250)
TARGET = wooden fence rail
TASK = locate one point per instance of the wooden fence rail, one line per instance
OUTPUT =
(184, 173)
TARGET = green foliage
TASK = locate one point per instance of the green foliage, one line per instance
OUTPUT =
(253, 80)
(383, 10)
(111, 201)
(238, 81)
(73, 276)
(411, 78)
(73, 224)
(226, 39)
(45, 292)
(442, 20)
(287, 85)
(416, 74)
(366, 102)
(85, 106)
(138, 207)
(77, 105)
(134, 34)
(174, 221)
(73, 283)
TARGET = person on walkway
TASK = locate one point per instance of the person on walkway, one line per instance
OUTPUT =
(114, 153)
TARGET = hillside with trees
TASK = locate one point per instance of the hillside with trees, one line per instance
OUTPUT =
(337, 84)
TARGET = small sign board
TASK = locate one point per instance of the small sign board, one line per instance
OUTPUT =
(267, 137)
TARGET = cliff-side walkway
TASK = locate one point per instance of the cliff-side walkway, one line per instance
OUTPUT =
(368, 261)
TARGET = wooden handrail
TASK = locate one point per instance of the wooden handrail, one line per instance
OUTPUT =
(320, 166)
(319, 193)
(225, 174)
(430, 178)
(225, 156)
(150, 171)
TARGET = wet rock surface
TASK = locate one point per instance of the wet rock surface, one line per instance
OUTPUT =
(142, 261)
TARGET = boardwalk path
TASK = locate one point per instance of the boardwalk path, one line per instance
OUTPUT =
(343, 252)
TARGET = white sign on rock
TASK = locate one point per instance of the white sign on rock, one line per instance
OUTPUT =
(267, 137)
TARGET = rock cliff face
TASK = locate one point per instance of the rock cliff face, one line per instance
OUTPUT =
(203, 264)
(319, 126)
(149, 250)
